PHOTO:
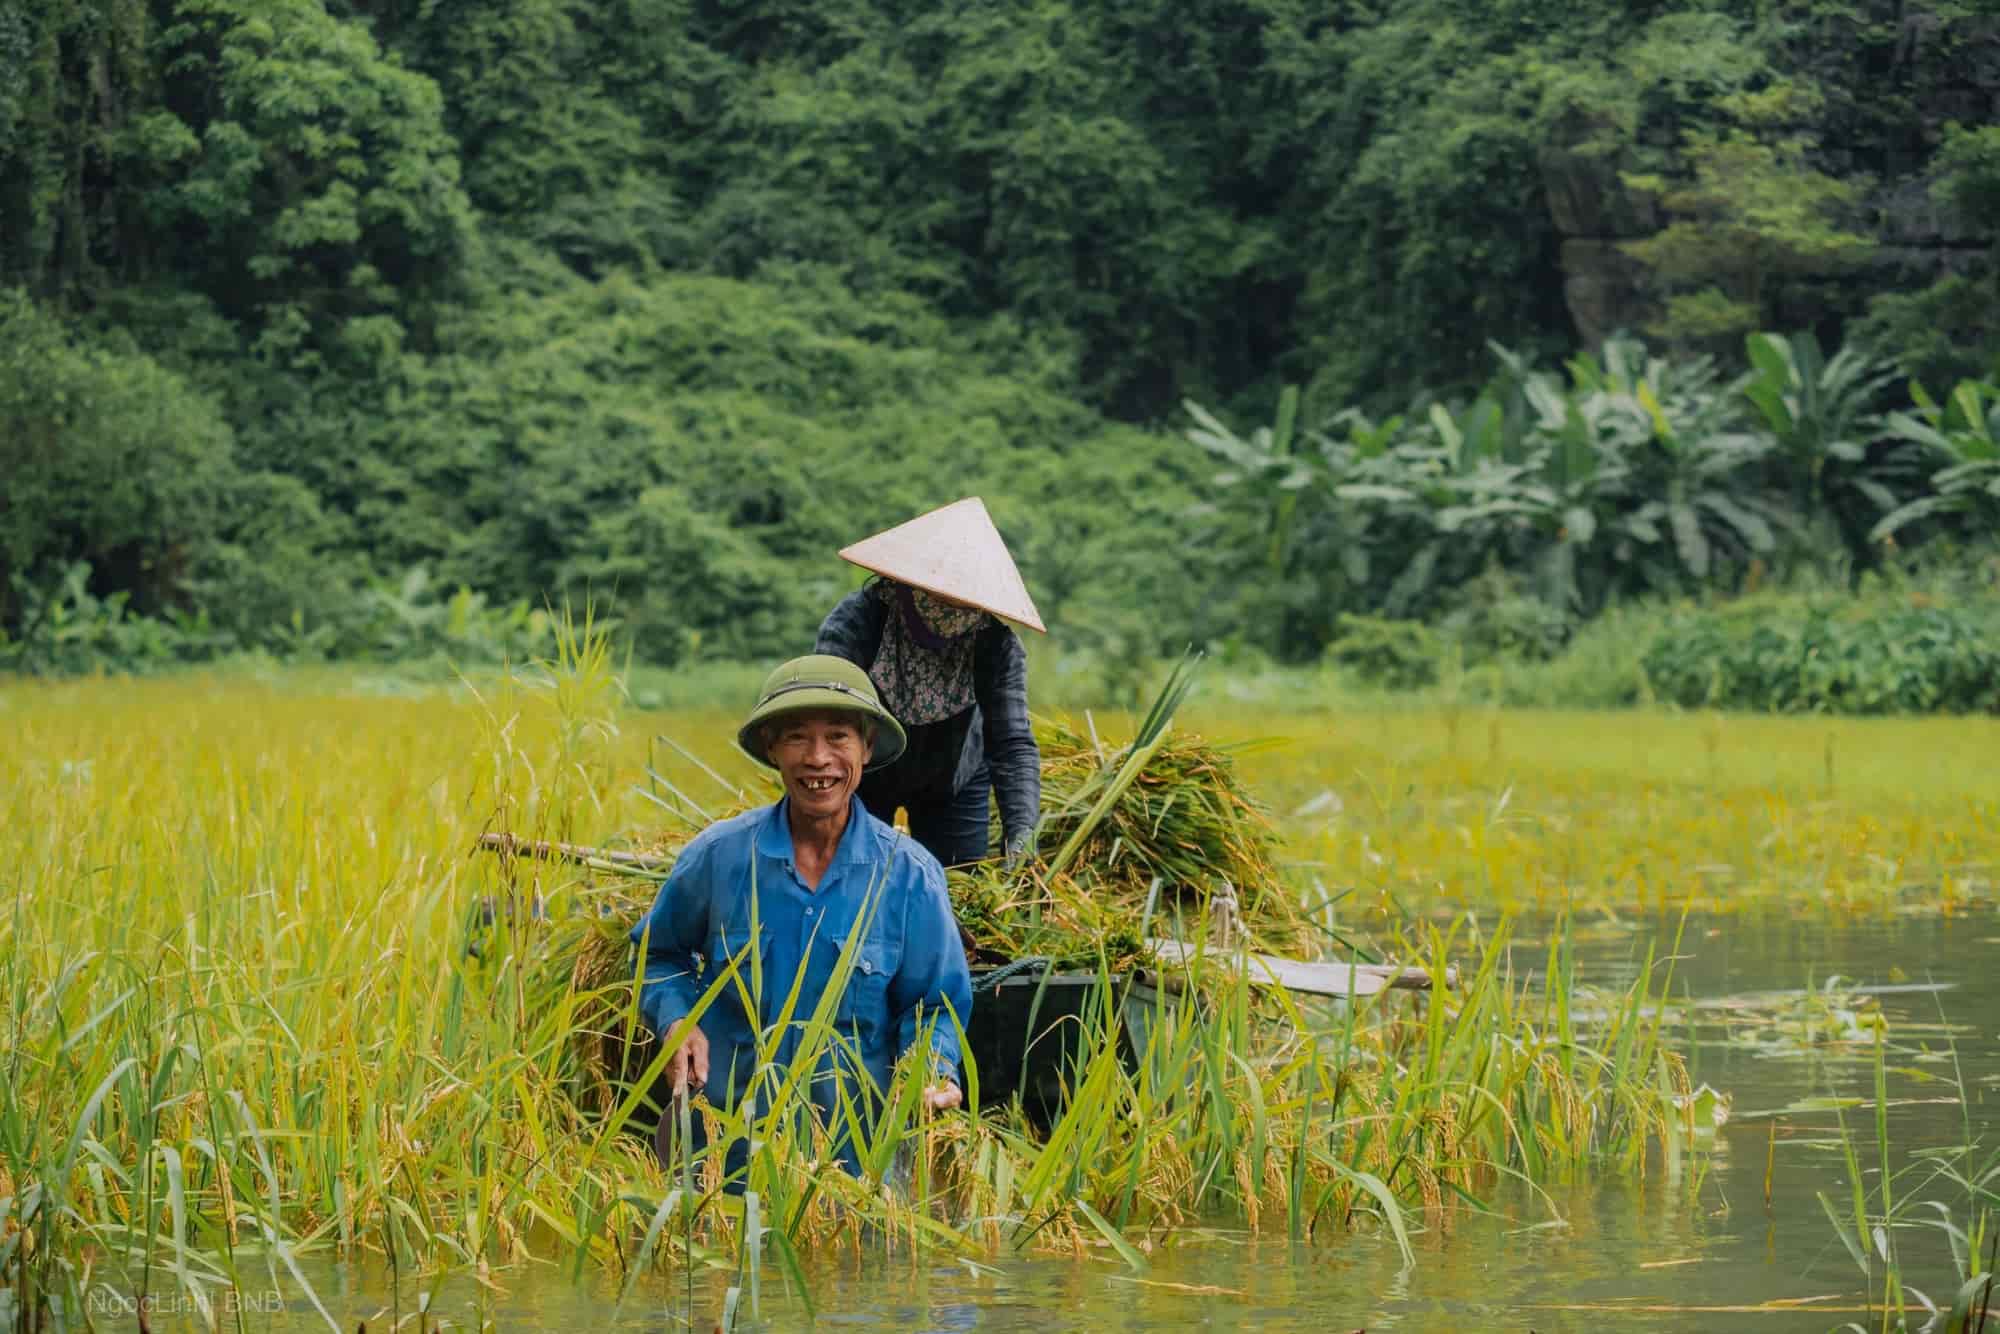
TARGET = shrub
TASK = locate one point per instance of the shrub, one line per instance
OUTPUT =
(108, 460)
(1495, 618)
(1873, 657)
(1401, 655)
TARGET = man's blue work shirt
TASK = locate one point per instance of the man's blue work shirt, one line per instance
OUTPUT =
(909, 962)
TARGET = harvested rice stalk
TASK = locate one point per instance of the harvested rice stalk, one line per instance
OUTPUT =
(1010, 915)
(1167, 810)
(1186, 817)
(1167, 807)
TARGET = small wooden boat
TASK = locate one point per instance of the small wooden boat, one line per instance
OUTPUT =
(1028, 1031)
(1312, 977)
(1029, 1027)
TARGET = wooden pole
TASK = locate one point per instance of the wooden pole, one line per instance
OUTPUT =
(541, 850)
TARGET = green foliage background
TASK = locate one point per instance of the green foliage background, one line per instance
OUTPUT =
(362, 327)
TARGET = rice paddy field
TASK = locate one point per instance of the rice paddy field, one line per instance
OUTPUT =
(283, 1051)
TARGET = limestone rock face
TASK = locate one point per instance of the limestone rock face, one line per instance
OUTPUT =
(1588, 197)
(1593, 208)
(1939, 65)
(1909, 215)
(1604, 288)
(1951, 63)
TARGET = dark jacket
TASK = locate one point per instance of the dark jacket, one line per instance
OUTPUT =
(944, 755)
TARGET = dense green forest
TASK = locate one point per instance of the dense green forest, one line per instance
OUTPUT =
(341, 328)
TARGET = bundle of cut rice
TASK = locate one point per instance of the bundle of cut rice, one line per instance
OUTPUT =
(1185, 818)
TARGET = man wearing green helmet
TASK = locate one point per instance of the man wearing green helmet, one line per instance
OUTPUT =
(812, 890)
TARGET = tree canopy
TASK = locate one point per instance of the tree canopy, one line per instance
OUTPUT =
(674, 297)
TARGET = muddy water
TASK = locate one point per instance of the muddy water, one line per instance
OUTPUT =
(1615, 1256)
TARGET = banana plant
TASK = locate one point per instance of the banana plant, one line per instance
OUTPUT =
(1380, 474)
(1367, 462)
(1694, 463)
(1440, 492)
(1584, 439)
(1484, 432)
(1699, 482)
(1587, 469)
(1325, 504)
(1961, 440)
(1267, 463)
(1820, 413)
(1818, 410)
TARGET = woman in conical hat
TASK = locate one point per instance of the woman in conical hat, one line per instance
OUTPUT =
(931, 631)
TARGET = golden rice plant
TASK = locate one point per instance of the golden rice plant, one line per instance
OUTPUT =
(264, 1004)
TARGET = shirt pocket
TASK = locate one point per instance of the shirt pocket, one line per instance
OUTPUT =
(864, 1001)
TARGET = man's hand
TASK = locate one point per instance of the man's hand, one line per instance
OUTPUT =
(942, 1097)
(687, 1068)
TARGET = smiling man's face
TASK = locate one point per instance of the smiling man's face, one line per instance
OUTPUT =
(820, 756)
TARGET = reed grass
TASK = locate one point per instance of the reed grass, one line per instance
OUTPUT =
(244, 1029)
(1950, 1190)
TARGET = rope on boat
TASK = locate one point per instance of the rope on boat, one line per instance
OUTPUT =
(1028, 963)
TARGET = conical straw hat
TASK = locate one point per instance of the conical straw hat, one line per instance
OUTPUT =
(955, 552)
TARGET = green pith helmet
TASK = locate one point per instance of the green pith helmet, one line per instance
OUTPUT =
(822, 681)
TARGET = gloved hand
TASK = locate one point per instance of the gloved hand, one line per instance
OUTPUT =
(1018, 848)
